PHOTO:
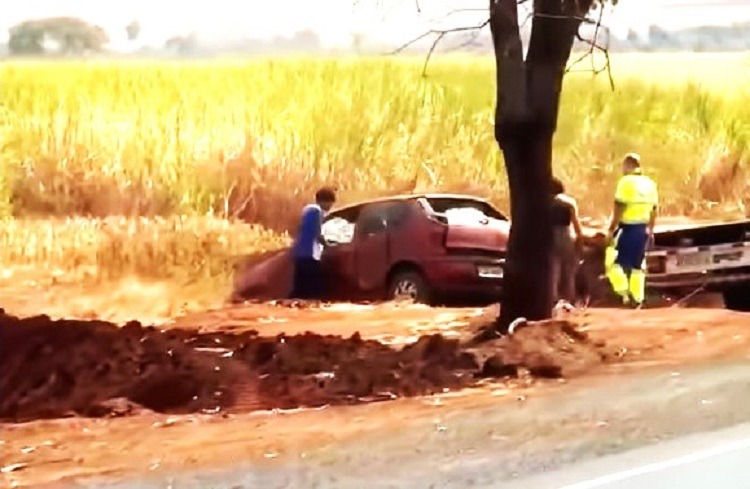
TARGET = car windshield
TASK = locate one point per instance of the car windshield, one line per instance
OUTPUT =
(461, 209)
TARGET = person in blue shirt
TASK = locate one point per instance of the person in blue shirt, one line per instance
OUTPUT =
(308, 247)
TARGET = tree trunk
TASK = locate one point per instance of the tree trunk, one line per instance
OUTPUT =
(528, 290)
(528, 97)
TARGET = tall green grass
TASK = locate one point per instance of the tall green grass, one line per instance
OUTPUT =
(253, 139)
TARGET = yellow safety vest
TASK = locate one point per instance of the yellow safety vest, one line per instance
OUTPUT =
(639, 196)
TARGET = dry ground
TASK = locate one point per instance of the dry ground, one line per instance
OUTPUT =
(658, 341)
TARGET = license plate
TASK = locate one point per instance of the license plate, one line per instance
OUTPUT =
(728, 256)
(694, 260)
(490, 271)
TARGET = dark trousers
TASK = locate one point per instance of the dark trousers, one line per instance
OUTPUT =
(632, 240)
(308, 279)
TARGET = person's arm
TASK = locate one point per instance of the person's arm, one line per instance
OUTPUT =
(316, 217)
(619, 209)
(652, 220)
(577, 225)
(575, 219)
(652, 217)
(616, 218)
(651, 225)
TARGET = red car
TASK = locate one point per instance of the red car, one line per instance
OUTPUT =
(421, 247)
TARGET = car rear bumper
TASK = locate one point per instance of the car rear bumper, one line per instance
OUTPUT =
(459, 277)
(710, 280)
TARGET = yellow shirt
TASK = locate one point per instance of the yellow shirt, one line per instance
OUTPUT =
(639, 196)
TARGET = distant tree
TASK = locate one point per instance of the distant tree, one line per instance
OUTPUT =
(26, 38)
(656, 33)
(182, 44)
(307, 40)
(700, 47)
(133, 30)
(71, 35)
(358, 40)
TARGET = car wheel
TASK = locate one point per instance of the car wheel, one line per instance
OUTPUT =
(409, 286)
(737, 298)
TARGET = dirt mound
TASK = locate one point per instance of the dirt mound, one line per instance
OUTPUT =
(91, 368)
(549, 349)
(51, 368)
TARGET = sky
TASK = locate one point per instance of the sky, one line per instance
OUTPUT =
(335, 21)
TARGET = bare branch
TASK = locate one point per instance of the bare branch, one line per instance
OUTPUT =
(455, 11)
(529, 16)
(609, 70)
(470, 41)
(439, 35)
(582, 19)
(594, 47)
(429, 54)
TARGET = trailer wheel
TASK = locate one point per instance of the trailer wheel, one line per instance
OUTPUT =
(737, 297)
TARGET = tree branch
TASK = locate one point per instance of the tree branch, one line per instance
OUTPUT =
(455, 11)
(594, 47)
(570, 11)
(439, 35)
(466, 43)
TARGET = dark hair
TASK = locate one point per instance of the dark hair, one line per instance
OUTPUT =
(557, 186)
(325, 194)
(633, 159)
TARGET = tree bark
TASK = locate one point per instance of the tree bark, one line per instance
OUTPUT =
(528, 98)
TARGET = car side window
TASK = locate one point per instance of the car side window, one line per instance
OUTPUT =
(338, 230)
(397, 214)
(372, 220)
(339, 227)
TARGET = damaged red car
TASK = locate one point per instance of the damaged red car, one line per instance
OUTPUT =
(427, 248)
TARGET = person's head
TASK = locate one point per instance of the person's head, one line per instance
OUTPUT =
(631, 164)
(557, 186)
(325, 198)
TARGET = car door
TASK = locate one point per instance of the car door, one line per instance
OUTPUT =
(338, 261)
(371, 250)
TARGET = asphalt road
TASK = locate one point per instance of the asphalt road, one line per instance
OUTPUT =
(709, 460)
(719, 459)
(670, 430)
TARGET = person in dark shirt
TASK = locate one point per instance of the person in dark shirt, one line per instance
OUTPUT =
(308, 247)
(567, 243)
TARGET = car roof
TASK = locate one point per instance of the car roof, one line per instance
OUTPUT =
(406, 197)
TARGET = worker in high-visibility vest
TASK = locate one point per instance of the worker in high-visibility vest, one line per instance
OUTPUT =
(631, 231)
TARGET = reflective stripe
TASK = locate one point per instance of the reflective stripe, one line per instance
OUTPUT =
(637, 286)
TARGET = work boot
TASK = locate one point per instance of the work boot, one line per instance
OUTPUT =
(634, 303)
